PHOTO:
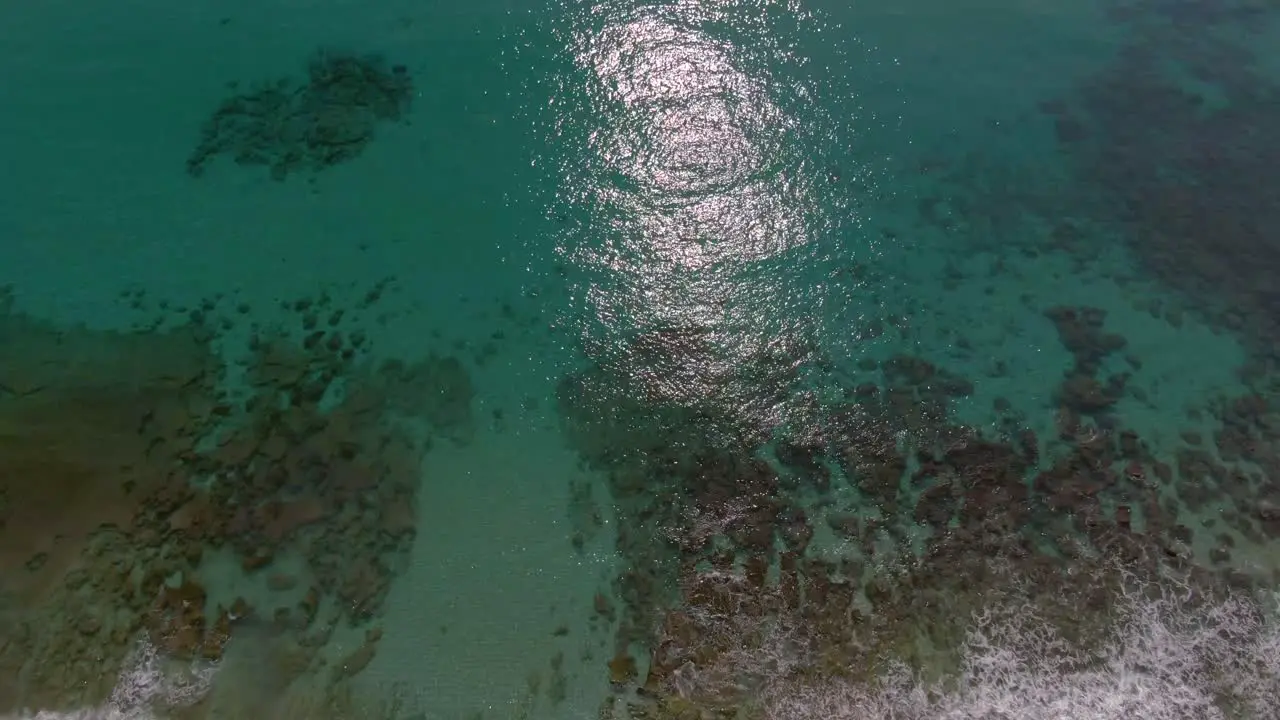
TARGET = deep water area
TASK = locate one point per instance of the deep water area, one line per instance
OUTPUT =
(640, 360)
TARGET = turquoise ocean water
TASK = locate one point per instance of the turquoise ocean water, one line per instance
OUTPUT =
(668, 360)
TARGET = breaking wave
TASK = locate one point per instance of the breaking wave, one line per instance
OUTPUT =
(147, 684)
(1160, 651)
(1167, 658)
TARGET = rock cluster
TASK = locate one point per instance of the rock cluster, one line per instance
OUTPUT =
(307, 126)
(1082, 391)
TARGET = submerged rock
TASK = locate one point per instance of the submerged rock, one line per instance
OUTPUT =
(291, 126)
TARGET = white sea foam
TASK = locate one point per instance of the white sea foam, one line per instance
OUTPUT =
(148, 682)
(107, 713)
(1167, 660)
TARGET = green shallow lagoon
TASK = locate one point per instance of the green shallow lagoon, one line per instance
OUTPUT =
(681, 360)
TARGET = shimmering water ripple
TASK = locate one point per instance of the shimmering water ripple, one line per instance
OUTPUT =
(709, 191)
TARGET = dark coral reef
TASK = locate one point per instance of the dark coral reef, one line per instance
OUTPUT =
(293, 126)
(134, 475)
(887, 521)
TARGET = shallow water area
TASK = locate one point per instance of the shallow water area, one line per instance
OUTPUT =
(658, 360)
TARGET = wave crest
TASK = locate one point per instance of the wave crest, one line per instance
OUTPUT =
(148, 685)
(1169, 657)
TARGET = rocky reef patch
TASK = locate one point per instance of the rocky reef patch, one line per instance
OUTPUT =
(295, 126)
(144, 475)
(874, 537)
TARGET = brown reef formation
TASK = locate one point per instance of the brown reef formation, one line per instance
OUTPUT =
(1165, 150)
(132, 467)
(729, 541)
